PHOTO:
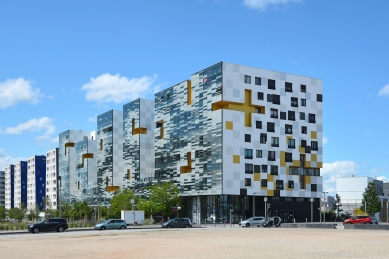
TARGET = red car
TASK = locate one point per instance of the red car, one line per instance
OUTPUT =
(358, 220)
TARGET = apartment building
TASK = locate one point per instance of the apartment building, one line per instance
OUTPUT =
(2, 188)
(9, 187)
(20, 184)
(36, 182)
(52, 178)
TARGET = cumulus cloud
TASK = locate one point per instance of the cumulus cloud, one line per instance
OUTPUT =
(6, 160)
(384, 91)
(331, 171)
(263, 4)
(117, 89)
(14, 91)
(93, 118)
(383, 178)
(325, 140)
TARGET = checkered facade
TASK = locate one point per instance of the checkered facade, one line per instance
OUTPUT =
(20, 184)
(9, 186)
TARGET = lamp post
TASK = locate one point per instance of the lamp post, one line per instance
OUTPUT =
(311, 200)
(133, 208)
(265, 199)
(325, 207)
(252, 224)
(198, 209)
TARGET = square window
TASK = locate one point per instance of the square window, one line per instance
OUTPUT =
(270, 127)
(311, 118)
(288, 87)
(247, 138)
(303, 88)
(263, 182)
(294, 102)
(257, 168)
(247, 181)
(247, 79)
(263, 138)
(303, 130)
(303, 102)
(274, 169)
(257, 81)
(274, 113)
(248, 153)
(258, 124)
(274, 141)
(279, 184)
(259, 153)
(271, 84)
(319, 97)
(248, 168)
(288, 157)
(167, 96)
(313, 187)
(288, 129)
(257, 110)
(291, 143)
(276, 99)
(260, 96)
(302, 115)
(290, 184)
(269, 98)
(303, 143)
(264, 168)
(271, 156)
(283, 115)
(307, 149)
(291, 116)
(314, 145)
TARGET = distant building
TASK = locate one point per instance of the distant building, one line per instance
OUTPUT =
(20, 184)
(9, 187)
(2, 189)
(52, 178)
(36, 182)
(386, 189)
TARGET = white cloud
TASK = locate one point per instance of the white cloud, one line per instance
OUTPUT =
(262, 4)
(325, 140)
(14, 91)
(336, 169)
(376, 171)
(50, 97)
(116, 88)
(384, 90)
(6, 160)
(93, 118)
(383, 178)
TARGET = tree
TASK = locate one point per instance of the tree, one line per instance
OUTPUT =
(338, 206)
(145, 205)
(370, 197)
(163, 197)
(80, 210)
(122, 201)
(16, 213)
(3, 213)
(33, 214)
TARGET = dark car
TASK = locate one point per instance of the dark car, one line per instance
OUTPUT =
(53, 224)
(272, 222)
(374, 220)
(358, 220)
(177, 223)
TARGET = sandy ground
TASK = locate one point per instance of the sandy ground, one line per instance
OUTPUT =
(201, 243)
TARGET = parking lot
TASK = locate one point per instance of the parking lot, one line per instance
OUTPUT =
(199, 243)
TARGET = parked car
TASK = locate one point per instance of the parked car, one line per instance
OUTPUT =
(257, 221)
(374, 220)
(177, 223)
(52, 224)
(358, 220)
(111, 224)
(272, 222)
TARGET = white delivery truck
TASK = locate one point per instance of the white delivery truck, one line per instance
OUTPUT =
(129, 216)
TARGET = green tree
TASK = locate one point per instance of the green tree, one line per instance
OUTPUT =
(16, 213)
(163, 197)
(370, 196)
(122, 201)
(145, 205)
(33, 214)
(3, 213)
(80, 210)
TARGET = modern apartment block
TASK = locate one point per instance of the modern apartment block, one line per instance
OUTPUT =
(20, 184)
(9, 187)
(36, 182)
(52, 178)
(2, 188)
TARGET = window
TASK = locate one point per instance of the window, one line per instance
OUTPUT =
(248, 168)
(274, 113)
(291, 143)
(161, 98)
(283, 115)
(311, 118)
(247, 79)
(247, 181)
(290, 184)
(247, 138)
(303, 143)
(271, 156)
(313, 187)
(263, 182)
(303, 102)
(319, 97)
(258, 153)
(269, 98)
(307, 149)
(274, 141)
(288, 157)
(291, 116)
(303, 130)
(263, 138)
(271, 84)
(258, 124)
(288, 129)
(248, 153)
(257, 110)
(257, 81)
(274, 169)
(260, 96)
(303, 88)
(270, 127)
(302, 116)
(167, 96)
(276, 99)
(314, 145)
(279, 184)
(294, 102)
(264, 169)
(257, 168)
(288, 87)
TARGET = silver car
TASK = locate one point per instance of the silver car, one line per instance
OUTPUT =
(256, 221)
(111, 224)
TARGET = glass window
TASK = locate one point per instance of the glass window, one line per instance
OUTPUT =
(319, 98)
(247, 181)
(288, 129)
(303, 130)
(288, 87)
(290, 184)
(247, 79)
(288, 157)
(248, 168)
(270, 127)
(257, 80)
(248, 153)
(274, 141)
(314, 145)
(247, 137)
(291, 143)
(279, 184)
(303, 102)
(303, 88)
(263, 182)
(294, 102)
(291, 115)
(274, 113)
(258, 124)
(271, 156)
(302, 116)
(259, 153)
(263, 138)
(283, 115)
(264, 168)
(274, 169)
(271, 84)
(311, 118)
(260, 96)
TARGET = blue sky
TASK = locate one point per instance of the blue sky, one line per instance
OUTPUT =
(58, 60)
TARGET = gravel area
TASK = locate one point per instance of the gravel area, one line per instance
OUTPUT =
(201, 243)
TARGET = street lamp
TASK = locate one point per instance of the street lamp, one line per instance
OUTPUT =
(325, 207)
(252, 223)
(265, 200)
(198, 209)
(312, 200)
